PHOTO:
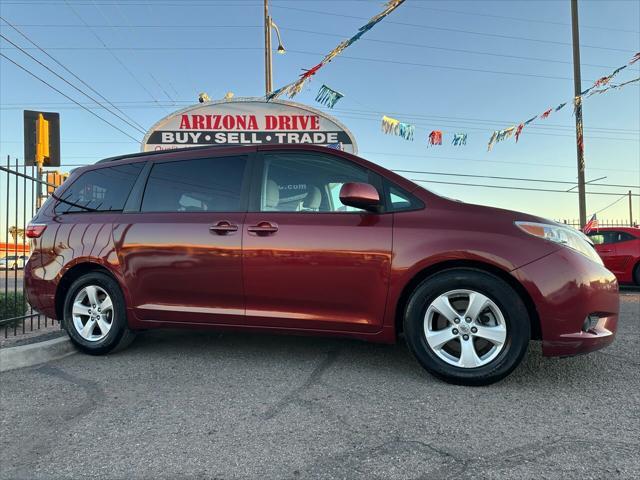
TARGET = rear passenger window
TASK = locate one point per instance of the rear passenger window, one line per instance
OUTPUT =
(202, 185)
(102, 190)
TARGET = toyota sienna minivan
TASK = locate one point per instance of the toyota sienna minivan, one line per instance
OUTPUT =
(315, 241)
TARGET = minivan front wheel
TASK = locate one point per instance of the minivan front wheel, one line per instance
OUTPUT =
(95, 314)
(467, 326)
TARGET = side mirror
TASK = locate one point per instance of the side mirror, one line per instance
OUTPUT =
(360, 195)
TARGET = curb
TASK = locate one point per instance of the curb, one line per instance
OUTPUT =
(32, 354)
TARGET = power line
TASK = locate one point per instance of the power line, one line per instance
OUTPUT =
(157, 3)
(520, 179)
(454, 30)
(446, 49)
(313, 32)
(151, 75)
(427, 27)
(498, 162)
(626, 195)
(69, 71)
(71, 84)
(75, 25)
(68, 97)
(519, 19)
(111, 52)
(504, 187)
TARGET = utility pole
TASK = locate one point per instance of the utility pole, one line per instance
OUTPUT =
(577, 87)
(630, 210)
(267, 50)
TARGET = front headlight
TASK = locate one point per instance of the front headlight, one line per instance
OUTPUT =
(567, 236)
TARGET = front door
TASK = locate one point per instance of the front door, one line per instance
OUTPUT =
(605, 244)
(182, 253)
(309, 261)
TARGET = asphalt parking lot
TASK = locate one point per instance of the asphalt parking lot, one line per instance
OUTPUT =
(198, 404)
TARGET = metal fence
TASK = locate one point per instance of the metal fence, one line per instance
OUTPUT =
(601, 223)
(20, 197)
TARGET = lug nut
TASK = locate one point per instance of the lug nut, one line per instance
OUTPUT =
(468, 319)
(457, 320)
(455, 331)
(474, 330)
(466, 337)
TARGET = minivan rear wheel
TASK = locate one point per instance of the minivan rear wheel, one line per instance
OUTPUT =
(467, 326)
(95, 314)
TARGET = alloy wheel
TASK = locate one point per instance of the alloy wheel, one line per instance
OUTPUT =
(92, 313)
(465, 328)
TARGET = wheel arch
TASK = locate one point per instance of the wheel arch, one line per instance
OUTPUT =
(70, 276)
(635, 273)
(536, 333)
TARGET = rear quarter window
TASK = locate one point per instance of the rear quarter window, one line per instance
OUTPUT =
(101, 190)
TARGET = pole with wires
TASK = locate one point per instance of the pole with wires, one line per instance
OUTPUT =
(577, 87)
(630, 210)
(267, 50)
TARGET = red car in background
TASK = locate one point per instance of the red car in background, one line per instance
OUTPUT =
(619, 248)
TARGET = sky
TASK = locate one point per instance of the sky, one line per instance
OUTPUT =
(457, 66)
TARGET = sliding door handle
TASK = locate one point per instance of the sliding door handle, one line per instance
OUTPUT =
(263, 228)
(223, 227)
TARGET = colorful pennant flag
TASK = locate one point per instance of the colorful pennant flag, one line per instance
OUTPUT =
(292, 89)
(406, 130)
(435, 138)
(519, 131)
(546, 114)
(391, 126)
(327, 96)
(459, 139)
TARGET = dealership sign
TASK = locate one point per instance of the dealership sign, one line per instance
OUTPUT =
(248, 122)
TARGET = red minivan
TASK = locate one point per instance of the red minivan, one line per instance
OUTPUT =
(311, 240)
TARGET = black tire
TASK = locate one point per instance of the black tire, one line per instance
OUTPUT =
(119, 335)
(500, 293)
(636, 275)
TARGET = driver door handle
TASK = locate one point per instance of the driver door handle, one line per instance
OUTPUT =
(223, 227)
(263, 228)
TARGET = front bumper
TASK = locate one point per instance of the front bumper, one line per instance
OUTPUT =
(566, 288)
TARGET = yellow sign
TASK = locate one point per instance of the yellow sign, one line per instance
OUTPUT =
(42, 140)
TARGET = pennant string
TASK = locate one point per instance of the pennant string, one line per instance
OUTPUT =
(292, 89)
(603, 84)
